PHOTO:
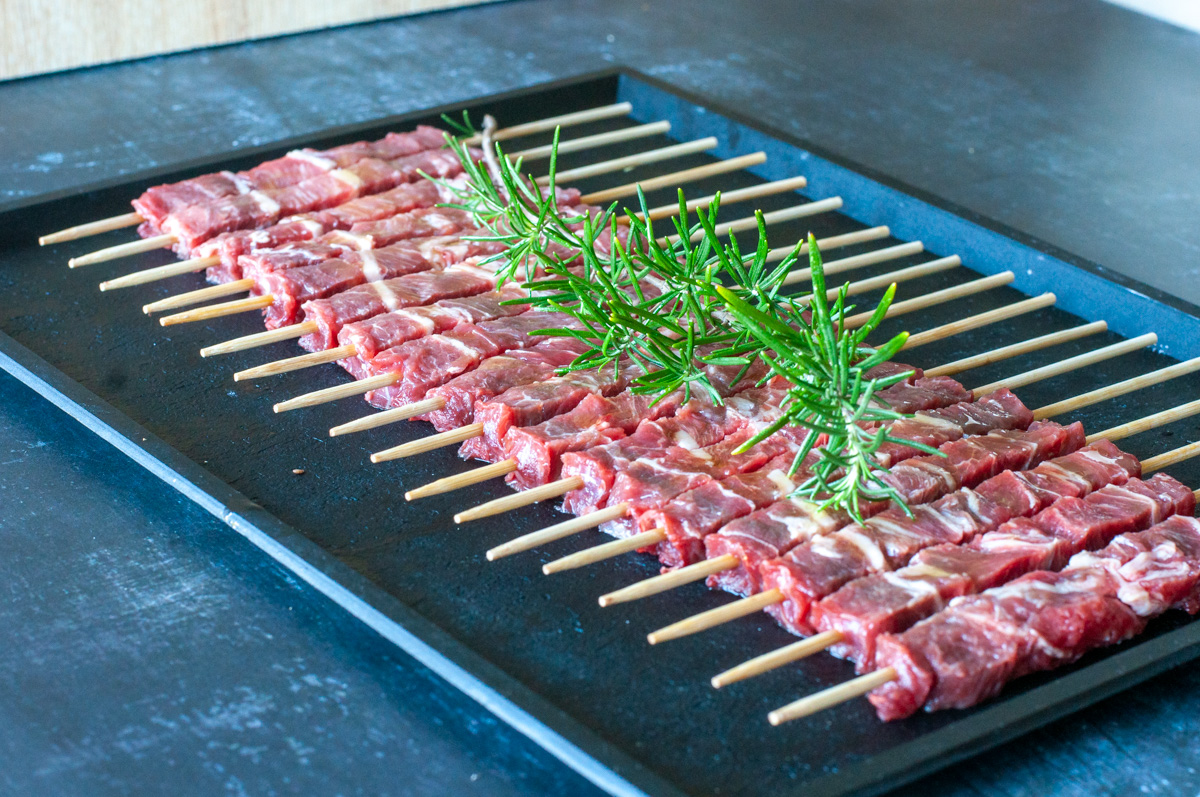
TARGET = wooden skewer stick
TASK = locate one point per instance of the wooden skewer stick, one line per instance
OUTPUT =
(403, 413)
(261, 339)
(654, 183)
(673, 179)
(884, 280)
(1120, 389)
(296, 363)
(337, 392)
(123, 250)
(558, 531)
(1070, 364)
(564, 120)
(832, 242)
(690, 573)
(198, 296)
(509, 502)
(713, 617)
(387, 416)
(627, 162)
(1169, 458)
(727, 198)
(588, 142)
(447, 438)
(777, 658)
(935, 298)
(1147, 423)
(219, 310)
(751, 222)
(92, 228)
(473, 476)
(606, 551)
(160, 273)
(1017, 349)
(861, 261)
(676, 578)
(833, 696)
(980, 320)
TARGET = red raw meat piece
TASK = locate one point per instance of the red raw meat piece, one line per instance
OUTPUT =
(418, 297)
(431, 361)
(295, 286)
(595, 420)
(497, 374)
(943, 650)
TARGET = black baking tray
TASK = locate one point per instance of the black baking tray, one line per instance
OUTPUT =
(539, 652)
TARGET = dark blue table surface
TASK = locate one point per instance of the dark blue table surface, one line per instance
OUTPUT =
(150, 648)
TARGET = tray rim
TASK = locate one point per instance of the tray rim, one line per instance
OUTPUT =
(566, 738)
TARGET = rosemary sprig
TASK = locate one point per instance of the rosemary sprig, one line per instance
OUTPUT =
(830, 393)
(675, 306)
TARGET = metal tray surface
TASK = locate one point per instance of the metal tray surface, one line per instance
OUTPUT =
(539, 651)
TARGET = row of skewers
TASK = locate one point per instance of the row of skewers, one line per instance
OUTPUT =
(1022, 531)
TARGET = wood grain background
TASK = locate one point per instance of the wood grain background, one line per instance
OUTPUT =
(39, 36)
